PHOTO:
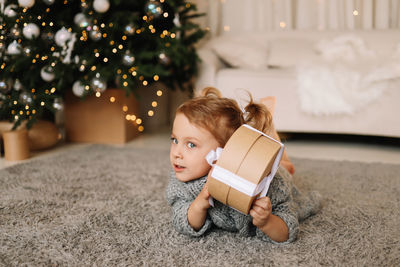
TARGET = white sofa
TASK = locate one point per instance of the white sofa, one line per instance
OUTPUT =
(276, 64)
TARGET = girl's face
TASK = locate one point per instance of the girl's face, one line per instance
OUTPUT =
(189, 146)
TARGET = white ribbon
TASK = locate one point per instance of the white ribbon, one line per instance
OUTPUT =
(214, 155)
(237, 182)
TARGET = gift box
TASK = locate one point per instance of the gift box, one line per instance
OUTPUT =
(245, 168)
(101, 119)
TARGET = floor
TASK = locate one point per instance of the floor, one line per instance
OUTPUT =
(352, 148)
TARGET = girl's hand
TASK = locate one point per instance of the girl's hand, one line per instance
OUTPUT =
(197, 212)
(268, 223)
(261, 211)
(201, 200)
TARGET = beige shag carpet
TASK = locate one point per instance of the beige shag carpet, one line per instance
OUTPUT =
(105, 206)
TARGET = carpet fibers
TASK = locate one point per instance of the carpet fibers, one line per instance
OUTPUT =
(102, 205)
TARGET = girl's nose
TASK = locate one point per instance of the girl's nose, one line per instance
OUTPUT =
(177, 152)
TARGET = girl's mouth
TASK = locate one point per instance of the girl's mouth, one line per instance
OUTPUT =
(178, 168)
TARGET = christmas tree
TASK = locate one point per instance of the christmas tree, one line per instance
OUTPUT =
(48, 47)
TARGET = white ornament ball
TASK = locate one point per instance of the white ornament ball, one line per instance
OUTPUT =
(9, 11)
(78, 89)
(98, 84)
(62, 36)
(26, 3)
(47, 74)
(31, 30)
(101, 6)
(14, 48)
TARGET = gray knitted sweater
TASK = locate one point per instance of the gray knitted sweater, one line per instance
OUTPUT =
(287, 203)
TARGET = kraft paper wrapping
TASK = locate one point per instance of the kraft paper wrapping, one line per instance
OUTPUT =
(16, 145)
(248, 154)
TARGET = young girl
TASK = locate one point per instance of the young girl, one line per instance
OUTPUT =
(202, 124)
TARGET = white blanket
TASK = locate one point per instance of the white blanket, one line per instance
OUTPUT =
(346, 78)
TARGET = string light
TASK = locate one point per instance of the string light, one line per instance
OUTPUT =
(154, 104)
(355, 13)
(125, 108)
(98, 94)
(140, 128)
(112, 99)
(159, 93)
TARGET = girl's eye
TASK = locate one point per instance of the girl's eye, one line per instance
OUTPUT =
(191, 145)
(174, 140)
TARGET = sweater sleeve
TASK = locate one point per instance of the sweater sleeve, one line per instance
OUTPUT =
(282, 206)
(180, 196)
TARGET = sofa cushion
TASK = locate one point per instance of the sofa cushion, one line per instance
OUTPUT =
(288, 52)
(241, 52)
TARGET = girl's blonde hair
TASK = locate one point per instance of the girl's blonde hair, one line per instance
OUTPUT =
(222, 116)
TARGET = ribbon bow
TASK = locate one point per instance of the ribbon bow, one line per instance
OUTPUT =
(214, 155)
(211, 157)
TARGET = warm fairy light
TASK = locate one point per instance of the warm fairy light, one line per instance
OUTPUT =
(26, 107)
(102, 25)
(128, 117)
(52, 64)
(124, 37)
(105, 60)
(159, 93)
(112, 42)
(156, 77)
(33, 61)
(173, 35)
(53, 90)
(93, 68)
(87, 87)
(125, 108)
(140, 128)
(144, 18)
(165, 15)
(282, 24)
(15, 102)
(227, 28)
(150, 113)
(97, 55)
(16, 117)
(33, 111)
(134, 73)
(355, 13)
(114, 50)
(43, 23)
(119, 71)
(21, 112)
(125, 84)
(112, 99)
(145, 83)
(120, 46)
(124, 76)
(138, 121)
(154, 104)
(42, 103)
(98, 94)
(51, 24)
